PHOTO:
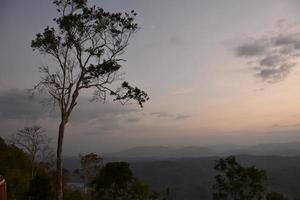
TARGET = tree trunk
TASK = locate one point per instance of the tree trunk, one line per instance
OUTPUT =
(32, 168)
(59, 175)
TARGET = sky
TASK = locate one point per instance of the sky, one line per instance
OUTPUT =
(217, 72)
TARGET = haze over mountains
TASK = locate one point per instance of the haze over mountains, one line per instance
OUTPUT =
(188, 172)
(280, 149)
(192, 178)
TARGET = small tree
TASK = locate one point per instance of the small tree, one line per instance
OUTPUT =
(236, 182)
(86, 44)
(41, 187)
(160, 196)
(90, 166)
(34, 141)
(116, 181)
(275, 196)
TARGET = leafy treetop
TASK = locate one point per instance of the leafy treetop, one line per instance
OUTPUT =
(87, 45)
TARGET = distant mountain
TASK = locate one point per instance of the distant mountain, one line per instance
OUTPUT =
(71, 163)
(148, 151)
(279, 149)
(193, 151)
(164, 152)
(189, 171)
(192, 178)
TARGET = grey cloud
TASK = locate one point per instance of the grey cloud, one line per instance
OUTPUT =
(270, 60)
(287, 50)
(92, 116)
(101, 119)
(287, 42)
(297, 45)
(133, 119)
(283, 40)
(285, 125)
(16, 104)
(160, 114)
(273, 56)
(170, 116)
(276, 74)
(249, 50)
(181, 117)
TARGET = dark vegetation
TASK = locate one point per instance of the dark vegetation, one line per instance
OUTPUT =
(241, 177)
(192, 178)
(111, 181)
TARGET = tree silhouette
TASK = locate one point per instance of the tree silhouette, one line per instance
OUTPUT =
(116, 181)
(15, 166)
(236, 182)
(40, 186)
(86, 44)
(90, 165)
(275, 196)
(34, 141)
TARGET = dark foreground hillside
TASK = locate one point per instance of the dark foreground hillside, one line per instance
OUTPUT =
(191, 178)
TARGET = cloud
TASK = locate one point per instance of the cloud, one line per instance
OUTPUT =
(161, 114)
(283, 40)
(181, 117)
(276, 74)
(91, 117)
(16, 104)
(133, 120)
(170, 116)
(96, 118)
(270, 61)
(295, 125)
(272, 56)
(249, 50)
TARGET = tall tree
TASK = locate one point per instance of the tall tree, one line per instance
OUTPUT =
(87, 44)
(236, 182)
(34, 141)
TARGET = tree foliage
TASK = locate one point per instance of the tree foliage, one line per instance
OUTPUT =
(41, 186)
(235, 182)
(90, 165)
(72, 195)
(87, 44)
(275, 196)
(15, 166)
(116, 181)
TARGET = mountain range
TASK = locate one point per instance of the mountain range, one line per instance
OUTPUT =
(279, 149)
